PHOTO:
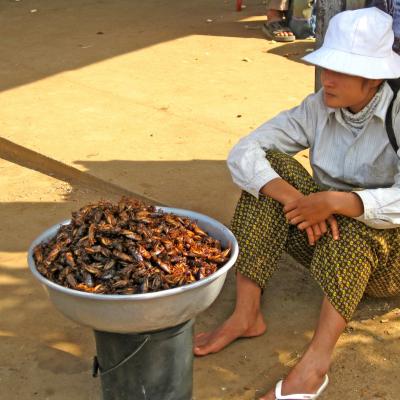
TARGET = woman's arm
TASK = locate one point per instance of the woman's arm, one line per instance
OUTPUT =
(317, 207)
(286, 194)
(318, 204)
(280, 190)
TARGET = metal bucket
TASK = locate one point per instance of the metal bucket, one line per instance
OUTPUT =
(147, 366)
(141, 312)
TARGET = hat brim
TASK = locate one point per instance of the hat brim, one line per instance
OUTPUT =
(355, 64)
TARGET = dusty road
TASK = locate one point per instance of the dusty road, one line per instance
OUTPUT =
(103, 98)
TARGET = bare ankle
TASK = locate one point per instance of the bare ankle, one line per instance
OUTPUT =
(274, 15)
(316, 362)
(246, 317)
(234, 327)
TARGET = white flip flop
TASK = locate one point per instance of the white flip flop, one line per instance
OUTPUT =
(279, 396)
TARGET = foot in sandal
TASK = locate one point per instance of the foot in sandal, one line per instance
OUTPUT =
(307, 380)
(276, 27)
(278, 31)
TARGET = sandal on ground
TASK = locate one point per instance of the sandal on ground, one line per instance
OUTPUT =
(273, 31)
(279, 396)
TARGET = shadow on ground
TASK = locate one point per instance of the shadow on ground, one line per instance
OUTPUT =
(294, 51)
(43, 38)
(58, 353)
(204, 186)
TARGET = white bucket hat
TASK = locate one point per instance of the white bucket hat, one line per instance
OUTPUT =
(359, 42)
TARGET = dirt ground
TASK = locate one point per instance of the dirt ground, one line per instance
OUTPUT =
(101, 98)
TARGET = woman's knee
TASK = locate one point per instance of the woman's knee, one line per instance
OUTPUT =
(259, 207)
(258, 217)
(290, 170)
(352, 256)
(353, 238)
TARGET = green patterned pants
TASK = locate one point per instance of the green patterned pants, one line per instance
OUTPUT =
(363, 260)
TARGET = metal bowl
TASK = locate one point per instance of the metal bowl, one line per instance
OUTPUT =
(141, 312)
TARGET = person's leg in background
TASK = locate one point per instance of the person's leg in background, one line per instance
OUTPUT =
(276, 27)
(355, 4)
(396, 25)
(392, 7)
(302, 19)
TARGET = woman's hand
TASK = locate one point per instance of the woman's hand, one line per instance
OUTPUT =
(315, 232)
(312, 213)
(309, 210)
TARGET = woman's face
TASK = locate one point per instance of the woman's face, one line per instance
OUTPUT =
(347, 91)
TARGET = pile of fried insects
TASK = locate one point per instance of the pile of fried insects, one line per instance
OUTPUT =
(128, 248)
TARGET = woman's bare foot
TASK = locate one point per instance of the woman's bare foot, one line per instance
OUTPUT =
(306, 377)
(246, 320)
(236, 326)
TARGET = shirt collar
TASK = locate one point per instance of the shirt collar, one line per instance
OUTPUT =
(383, 105)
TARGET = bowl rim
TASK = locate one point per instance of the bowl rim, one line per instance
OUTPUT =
(48, 233)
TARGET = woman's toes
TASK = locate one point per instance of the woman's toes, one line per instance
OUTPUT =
(201, 339)
(269, 396)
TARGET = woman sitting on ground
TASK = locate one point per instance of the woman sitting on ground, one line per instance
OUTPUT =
(344, 223)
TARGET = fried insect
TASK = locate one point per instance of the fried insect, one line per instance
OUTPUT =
(128, 248)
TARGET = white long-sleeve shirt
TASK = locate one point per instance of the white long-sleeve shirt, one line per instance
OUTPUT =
(365, 163)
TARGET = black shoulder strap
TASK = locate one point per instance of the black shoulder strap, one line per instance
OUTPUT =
(395, 85)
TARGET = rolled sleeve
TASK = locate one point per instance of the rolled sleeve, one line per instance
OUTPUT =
(369, 204)
(257, 183)
(381, 207)
(249, 168)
